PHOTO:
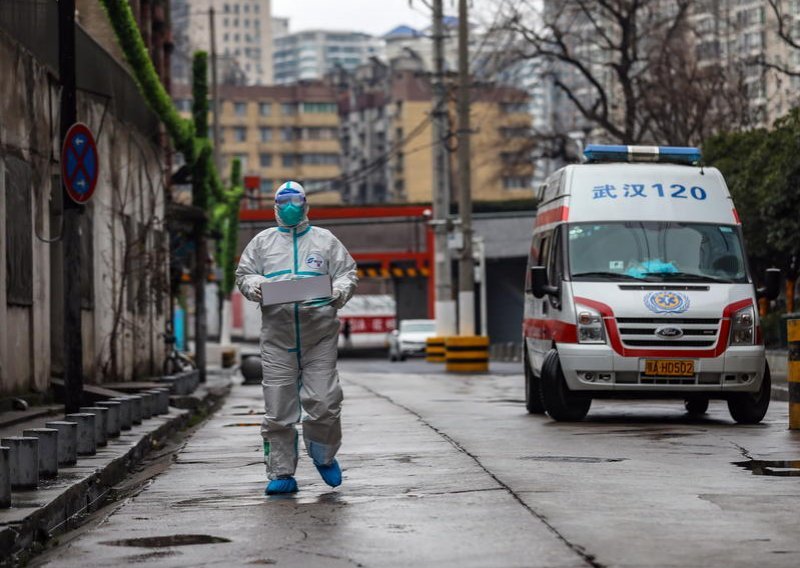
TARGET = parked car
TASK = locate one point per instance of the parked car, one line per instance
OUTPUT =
(409, 339)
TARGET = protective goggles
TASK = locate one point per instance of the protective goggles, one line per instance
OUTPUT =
(289, 197)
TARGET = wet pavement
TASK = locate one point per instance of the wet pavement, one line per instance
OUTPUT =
(450, 471)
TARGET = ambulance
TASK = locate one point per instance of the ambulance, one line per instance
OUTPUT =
(638, 287)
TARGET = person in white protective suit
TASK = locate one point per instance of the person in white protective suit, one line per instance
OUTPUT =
(298, 341)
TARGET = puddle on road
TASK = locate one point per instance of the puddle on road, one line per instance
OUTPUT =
(572, 459)
(167, 541)
(775, 468)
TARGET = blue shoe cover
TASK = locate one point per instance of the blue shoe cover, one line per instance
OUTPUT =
(283, 485)
(331, 474)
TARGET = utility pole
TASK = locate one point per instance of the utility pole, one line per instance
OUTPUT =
(445, 308)
(466, 270)
(214, 92)
(225, 304)
(71, 240)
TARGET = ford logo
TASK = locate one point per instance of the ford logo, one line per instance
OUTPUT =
(669, 332)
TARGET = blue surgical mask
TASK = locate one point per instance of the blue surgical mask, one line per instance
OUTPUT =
(291, 214)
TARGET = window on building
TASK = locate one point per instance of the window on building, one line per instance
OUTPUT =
(225, 37)
(288, 109)
(319, 159)
(288, 160)
(227, 8)
(515, 131)
(255, 9)
(19, 231)
(517, 182)
(319, 108)
(265, 160)
(510, 108)
(286, 133)
(242, 159)
(239, 134)
(319, 133)
(246, 23)
(265, 186)
(240, 109)
(265, 134)
(264, 109)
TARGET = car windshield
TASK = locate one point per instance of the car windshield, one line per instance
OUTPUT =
(656, 252)
(416, 327)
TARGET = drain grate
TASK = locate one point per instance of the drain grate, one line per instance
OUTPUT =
(167, 541)
(572, 459)
(776, 468)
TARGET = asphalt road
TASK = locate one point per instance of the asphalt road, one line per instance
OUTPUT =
(450, 471)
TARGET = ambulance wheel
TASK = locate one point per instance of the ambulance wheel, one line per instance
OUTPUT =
(696, 406)
(561, 403)
(751, 407)
(533, 391)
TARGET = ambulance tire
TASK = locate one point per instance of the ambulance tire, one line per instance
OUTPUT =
(696, 406)
(561, 404)
(750, 408)
(533, 390)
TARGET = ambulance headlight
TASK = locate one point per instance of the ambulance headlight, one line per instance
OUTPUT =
(743, 330)
(590, 326)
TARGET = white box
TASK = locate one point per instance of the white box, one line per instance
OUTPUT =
(299, 290)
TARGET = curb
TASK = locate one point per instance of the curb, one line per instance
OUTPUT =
(780, 393)
(66, 510)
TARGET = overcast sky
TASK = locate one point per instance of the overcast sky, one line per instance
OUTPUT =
(372, 16)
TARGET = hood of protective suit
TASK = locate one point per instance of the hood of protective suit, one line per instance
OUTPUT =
(294, 188)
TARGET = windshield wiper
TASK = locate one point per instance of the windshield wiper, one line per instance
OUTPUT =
(600, 274)
(688, 276)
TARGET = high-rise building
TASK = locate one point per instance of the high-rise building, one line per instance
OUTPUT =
(313, 54)
(243, 28)
(279, 133)
(387, 137)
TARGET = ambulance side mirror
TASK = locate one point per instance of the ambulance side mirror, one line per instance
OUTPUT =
(772, 284)
(539, 284)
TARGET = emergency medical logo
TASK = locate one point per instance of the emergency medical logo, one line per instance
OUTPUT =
(315, 261)
(666, 302)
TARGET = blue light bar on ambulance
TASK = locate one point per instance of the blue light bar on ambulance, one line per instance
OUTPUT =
(595, 153)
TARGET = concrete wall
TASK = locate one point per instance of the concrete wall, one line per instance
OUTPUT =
(130, 184)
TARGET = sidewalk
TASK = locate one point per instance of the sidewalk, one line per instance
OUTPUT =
(59, 504)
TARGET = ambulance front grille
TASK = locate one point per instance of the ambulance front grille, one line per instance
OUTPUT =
(697, 333)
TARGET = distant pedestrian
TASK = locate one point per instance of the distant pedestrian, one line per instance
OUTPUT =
(346, 331)
(298, 341)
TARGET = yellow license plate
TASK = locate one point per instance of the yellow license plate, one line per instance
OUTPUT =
(668, 368)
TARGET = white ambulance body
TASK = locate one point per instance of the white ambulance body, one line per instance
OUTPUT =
(639, 288)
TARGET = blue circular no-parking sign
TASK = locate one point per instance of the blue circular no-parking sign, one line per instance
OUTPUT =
(79, 163)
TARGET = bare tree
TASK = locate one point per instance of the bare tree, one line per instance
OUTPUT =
(788, 32)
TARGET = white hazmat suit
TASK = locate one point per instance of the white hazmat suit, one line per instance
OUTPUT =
(298, 341)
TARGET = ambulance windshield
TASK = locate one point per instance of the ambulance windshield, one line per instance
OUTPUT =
(656, 252)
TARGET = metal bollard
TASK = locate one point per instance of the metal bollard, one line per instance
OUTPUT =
(48, 450)
(24, 462)
(112, 418)
(67, 441)
(147, 404)
(160, 401)
(86, 442)
(125, 412)
(136, 408)
(5, 477)
(100, 423)
(793, 374)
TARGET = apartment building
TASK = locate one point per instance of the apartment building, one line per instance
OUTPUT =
(313, 54)
(387, 137)
(244, 31)
(280, 132)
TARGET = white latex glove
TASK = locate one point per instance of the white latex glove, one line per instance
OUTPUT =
(337, 302)
(257, 292)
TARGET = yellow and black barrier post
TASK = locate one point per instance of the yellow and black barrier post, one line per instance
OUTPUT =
(434, 350)
(793, 337)
(467, 354)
